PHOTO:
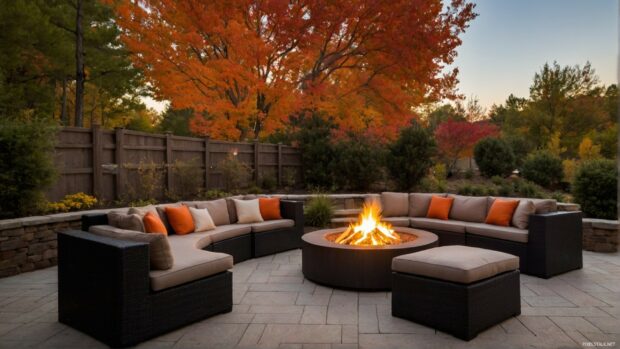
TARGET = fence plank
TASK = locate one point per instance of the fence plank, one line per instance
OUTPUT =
(256, 161)
(207, 165)
(168, 160)
(120, 159)
(97, 153)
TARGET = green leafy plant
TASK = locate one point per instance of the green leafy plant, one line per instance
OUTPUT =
(410, 157)
(358, 164)
(319, 211)
(236, 174)
(494, 157)
(543, 168)
(213, 194)
(149, 185)
(268, 181)
(188, 179)
(527, 189)
(26, 165)
(595, 188)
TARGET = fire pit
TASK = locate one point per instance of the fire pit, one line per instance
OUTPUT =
(360, 256)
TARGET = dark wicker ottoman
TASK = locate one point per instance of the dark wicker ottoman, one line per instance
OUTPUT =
(460, 290)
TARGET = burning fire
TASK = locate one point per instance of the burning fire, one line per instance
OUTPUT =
(369, 230)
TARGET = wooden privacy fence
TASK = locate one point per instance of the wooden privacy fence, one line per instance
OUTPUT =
(105, 162)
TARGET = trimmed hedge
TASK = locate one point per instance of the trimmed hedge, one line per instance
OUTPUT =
(595, 188)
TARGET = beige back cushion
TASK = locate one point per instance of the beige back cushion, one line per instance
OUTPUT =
(469, 208)
(218, 209)
(126, 221)
(394, 204)
(419, 202)
(374, 199)
(159, 248)
(521, 217)
(248, 211)
(142, 211)
(542, 205)
(232, 210)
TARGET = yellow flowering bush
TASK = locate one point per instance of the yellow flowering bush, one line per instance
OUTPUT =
(72, 202)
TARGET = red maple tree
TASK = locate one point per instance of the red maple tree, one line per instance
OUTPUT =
(245, 65)
(456, 139)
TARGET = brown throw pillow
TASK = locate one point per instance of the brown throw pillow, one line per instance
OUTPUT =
(126, 221)
(159, 249)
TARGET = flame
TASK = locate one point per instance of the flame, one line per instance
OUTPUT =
(369, 230)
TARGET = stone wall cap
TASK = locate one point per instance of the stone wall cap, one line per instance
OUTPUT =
(10, 223)
(602, 223)
(35, 220)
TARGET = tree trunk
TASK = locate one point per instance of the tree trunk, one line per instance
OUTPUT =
(64, 118)
(79, 71)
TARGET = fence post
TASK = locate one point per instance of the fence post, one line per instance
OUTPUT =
(207, 163)
(119, 157)
(256, 161)
(168, 164)
(279, 164)
(97, 149)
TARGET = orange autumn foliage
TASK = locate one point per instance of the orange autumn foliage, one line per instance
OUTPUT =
(245, 65)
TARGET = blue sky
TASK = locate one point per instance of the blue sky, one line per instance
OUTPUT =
(510, 40)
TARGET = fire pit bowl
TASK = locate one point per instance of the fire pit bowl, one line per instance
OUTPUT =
(357, 267)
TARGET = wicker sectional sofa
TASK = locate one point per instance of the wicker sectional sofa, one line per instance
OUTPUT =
(548, 242)
(110, 289)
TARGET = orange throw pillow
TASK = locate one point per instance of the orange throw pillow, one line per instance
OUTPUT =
(180, 219)
(269, 208)
(153, 224)
(439, 207)
(501, 212)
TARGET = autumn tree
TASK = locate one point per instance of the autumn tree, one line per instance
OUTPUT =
(251, 64)
(456, 139)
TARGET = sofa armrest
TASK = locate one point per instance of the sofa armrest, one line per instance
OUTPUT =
(554, 243)
(89, 220)
(293, 210)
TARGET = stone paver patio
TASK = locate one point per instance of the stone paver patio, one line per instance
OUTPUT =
(276, 308)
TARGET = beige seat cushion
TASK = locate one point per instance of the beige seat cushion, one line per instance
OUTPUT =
(438, 224)
(126, 221)
(229, 231)
(542, 205)
(462, 264)
(394, 204)
(419, 202)
(498, 232)
(521, 217)
(469, 208)
(160, 253)
(218, 210)
(272, 225)
(190, 264)
(397, 221)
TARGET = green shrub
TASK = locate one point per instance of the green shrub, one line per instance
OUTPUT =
(520, 146)
(558, 196)
(494, 157)
(505, 189)
(26, 165)
(236, 174)
(524, 188)
(595, 188)
(543, 168)
(465, 189)
(319, 211)
(497, 180)
(149, 186)
(268, 181)
(358, 163)
(213, 194)
(469, 174)
(313, 136)
(478, 190)
(188, 179)
(410, 156)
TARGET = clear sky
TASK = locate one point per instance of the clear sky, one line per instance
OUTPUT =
(511, 40)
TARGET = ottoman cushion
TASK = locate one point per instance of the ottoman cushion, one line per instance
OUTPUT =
(462, 264)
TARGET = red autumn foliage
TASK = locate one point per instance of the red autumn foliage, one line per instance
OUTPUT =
(249, 64)
(456, 139)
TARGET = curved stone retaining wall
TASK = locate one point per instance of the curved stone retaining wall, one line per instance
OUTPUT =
(30, 243)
